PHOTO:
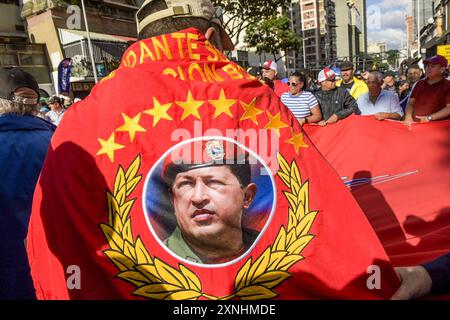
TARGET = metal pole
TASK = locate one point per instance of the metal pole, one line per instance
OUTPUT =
(418, 29)
(91, 55)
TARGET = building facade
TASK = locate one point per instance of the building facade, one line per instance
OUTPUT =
(351, 30)
(318, 21)
(61, 28)
(16, 50)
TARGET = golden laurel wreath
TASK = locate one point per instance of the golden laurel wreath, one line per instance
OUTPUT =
(156, 279)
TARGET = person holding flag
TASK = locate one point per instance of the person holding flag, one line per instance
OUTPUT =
(92, 235)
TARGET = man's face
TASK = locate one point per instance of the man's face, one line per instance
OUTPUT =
(328, 85)
(347, 75)
(434, 71)
(413, 75)
(209, 203)
(269, 73)
(374, 85)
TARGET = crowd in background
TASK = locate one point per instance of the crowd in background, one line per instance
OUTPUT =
(416, 96)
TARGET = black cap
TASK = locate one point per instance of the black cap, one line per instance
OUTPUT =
(54, 99)
(14, 78)
(346, 65)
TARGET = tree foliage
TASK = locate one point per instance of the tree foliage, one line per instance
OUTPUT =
(272, 35)
(392, 57)
(240, 14)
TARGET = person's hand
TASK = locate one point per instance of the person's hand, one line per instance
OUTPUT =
(333, 119)
(322, 123)
(422, 119)
(302, 121)
(408, 121)
(381, 116)
(415, 282)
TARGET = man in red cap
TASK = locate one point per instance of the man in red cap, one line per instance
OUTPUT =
(430, 97)
(270, 71)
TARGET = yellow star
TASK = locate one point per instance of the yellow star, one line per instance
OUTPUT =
(251, 112)
(222, 105)
(108, 147)
(159, 111)
(297, 141)
(190, 107)
(275, 123)
(131, 125)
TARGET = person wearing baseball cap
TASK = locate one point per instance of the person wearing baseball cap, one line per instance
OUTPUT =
(270, 71)
(336, 103)
(430, 97)
(209, 226)
(56, 114)
(24, 139)
(355, 86)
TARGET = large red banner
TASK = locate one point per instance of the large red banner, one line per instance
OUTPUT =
(400, 178)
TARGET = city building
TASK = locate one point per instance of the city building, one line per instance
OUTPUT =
(15, 49)
(61, 28)
(318, 19)
(351, 31)
(379, 47)
(435, 36)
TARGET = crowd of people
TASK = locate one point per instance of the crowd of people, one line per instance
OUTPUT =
(325, 100)
(416, 96)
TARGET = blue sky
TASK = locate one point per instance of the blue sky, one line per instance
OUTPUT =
(386, 21)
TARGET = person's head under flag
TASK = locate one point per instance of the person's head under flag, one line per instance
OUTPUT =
(156, 17)
(210, 187)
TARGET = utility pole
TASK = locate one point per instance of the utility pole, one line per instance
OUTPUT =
(418, 29)
(91, 55)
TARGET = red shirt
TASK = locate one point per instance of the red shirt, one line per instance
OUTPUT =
(430, 98)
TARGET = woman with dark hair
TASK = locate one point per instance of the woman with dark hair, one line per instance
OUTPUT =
(303, 104)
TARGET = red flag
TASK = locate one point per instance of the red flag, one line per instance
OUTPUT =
(399, 177)
(123, 205)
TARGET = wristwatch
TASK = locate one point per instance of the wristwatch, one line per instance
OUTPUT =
(430, 118)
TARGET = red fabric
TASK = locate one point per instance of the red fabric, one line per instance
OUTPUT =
(407, 199)
(279, 87)
(430, 98)
(71, 203)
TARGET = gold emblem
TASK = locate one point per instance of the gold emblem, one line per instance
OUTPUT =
(256, 279)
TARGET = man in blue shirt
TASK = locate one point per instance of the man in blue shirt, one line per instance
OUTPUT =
(24, 139)
(383, 104)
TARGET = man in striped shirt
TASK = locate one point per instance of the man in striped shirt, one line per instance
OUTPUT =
(303, 104)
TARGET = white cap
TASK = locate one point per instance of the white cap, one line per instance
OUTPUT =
(270, 64)
(325, 74)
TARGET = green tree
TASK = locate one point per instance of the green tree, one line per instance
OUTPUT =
(240, 14)
(272, 35)
(392, 57)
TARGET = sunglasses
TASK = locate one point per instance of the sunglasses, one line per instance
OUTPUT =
(292, 84)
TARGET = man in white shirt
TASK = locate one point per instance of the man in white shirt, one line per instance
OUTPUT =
(57, 110)
(383, 104)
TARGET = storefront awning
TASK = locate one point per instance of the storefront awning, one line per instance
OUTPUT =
(69, 36)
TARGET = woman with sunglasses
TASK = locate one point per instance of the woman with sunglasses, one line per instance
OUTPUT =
(303, 104)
